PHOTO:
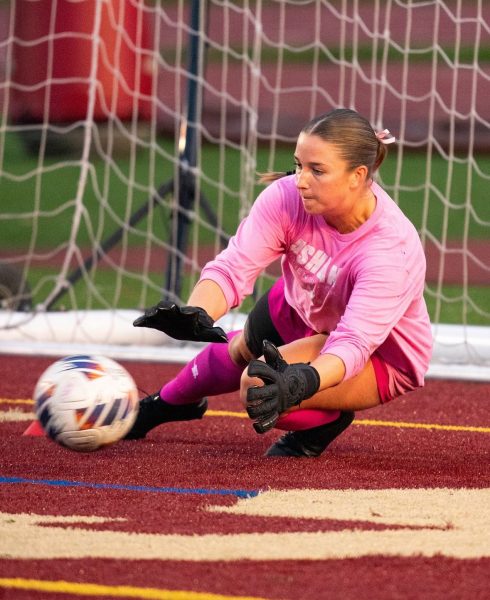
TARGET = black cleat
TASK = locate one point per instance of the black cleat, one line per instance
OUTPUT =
(154, 411)
(310, 442)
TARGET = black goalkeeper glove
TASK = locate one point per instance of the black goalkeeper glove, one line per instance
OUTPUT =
(182, 323)
(285, 386)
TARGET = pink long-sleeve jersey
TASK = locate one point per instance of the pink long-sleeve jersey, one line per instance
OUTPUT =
(364, 288)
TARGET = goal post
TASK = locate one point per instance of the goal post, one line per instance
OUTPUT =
(132, 132)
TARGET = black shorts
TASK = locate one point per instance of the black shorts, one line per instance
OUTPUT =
(259, 327)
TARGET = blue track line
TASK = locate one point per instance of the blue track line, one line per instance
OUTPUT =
(132, 488)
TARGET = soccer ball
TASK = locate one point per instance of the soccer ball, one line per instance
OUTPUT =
(85, 402)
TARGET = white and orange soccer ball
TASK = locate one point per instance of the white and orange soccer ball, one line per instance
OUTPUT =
(84, 402)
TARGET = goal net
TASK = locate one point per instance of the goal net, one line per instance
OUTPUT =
(132, 132)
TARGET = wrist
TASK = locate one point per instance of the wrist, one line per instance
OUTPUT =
(313, 381)
(302, 382)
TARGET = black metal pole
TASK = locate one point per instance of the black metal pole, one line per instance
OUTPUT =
(186, 185)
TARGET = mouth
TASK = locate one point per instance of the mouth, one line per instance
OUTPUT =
(309, 204)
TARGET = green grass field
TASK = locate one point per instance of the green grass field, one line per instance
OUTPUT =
(37, 211)
(455, 196)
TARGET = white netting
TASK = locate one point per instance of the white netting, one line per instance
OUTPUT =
(131, 134)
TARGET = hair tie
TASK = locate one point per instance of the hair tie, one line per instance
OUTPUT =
(385, 137)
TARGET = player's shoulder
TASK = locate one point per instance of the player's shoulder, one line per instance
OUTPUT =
(285, 185)
(281, 193)
(392, 216)
(394, 242)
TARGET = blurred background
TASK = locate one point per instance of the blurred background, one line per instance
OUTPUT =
(132, 132)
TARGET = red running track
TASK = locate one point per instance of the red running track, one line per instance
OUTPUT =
(388, 512)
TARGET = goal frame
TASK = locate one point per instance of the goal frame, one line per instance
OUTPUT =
(460, 351)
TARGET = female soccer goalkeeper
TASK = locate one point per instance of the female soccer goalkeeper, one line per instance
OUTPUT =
(348, 313)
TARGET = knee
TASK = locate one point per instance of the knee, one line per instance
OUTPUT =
(239, 351)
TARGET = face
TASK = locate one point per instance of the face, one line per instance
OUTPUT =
(323, 180)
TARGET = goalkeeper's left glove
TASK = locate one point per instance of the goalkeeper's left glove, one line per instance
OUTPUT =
(285, 386)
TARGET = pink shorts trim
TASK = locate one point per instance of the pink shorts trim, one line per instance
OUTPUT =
(391, 381)
(382, 378)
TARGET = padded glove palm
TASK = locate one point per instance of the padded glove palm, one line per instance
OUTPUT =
(181, 323)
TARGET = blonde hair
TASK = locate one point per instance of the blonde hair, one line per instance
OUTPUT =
(351, 133)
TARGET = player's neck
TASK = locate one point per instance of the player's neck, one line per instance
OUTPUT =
(362, 210)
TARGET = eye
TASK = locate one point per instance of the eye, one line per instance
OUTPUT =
(317, 172)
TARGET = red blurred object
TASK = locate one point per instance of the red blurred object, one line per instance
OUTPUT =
(54, 50)
(35, 429)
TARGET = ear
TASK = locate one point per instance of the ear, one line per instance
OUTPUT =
(358, 176)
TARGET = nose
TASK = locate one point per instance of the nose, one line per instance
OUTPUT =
(301, 180)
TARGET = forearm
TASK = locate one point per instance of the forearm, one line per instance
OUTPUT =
(331, 370)
(208, 295)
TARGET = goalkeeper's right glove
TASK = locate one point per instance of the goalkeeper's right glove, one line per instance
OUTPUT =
(182, 323)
